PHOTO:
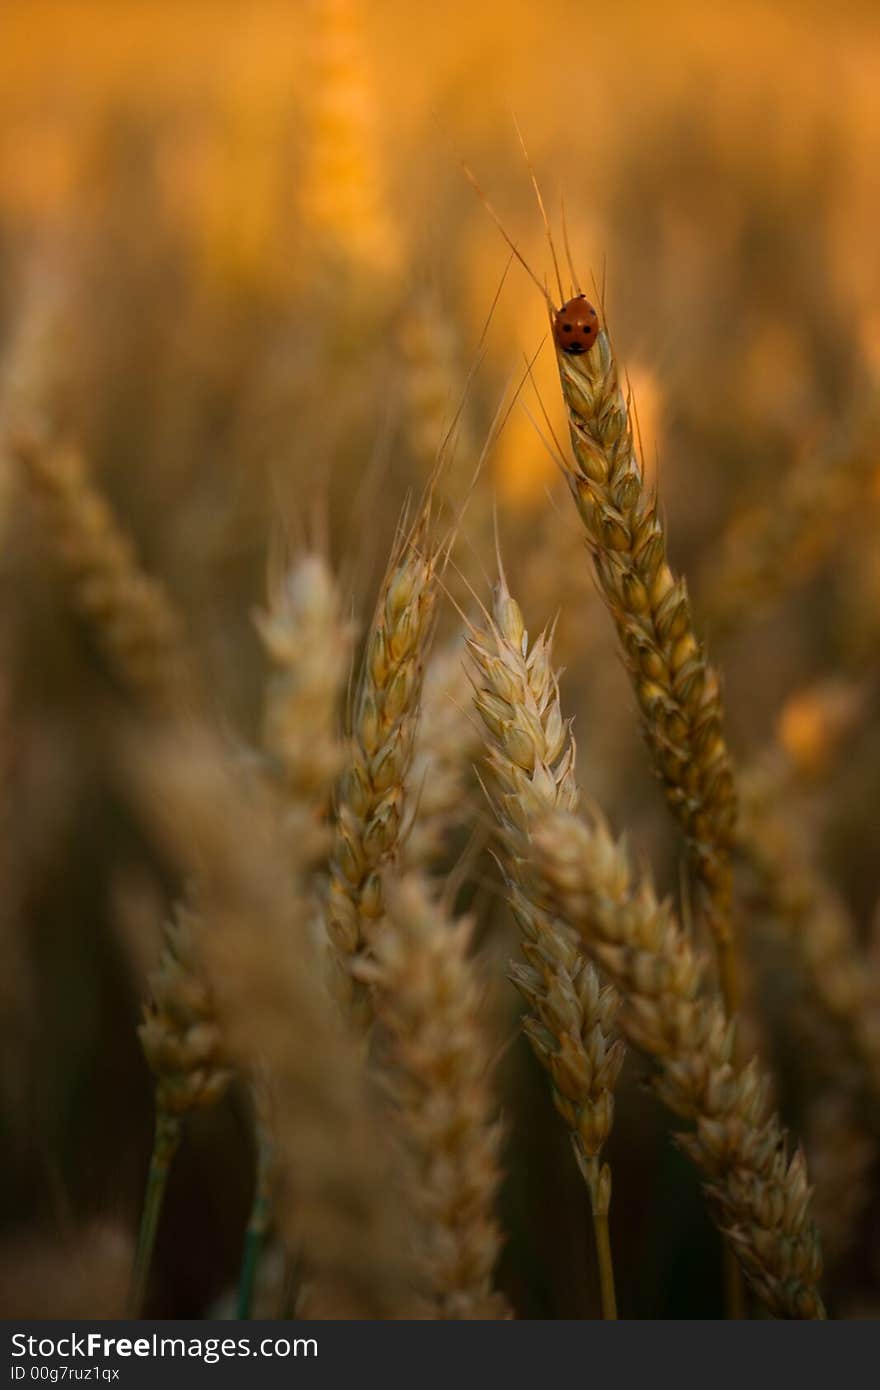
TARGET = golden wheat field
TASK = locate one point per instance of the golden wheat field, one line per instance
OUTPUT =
(440, 626)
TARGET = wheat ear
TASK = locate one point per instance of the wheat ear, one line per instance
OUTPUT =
(308, 640)
(814, 922)
(437, 1071)
(343, 205)
(183, 1047)
(842, 1158)
(759, 1197)
(340, 1200)
(130, 614)
(778, 545)
(530, 770)
(372, 797)
(678, 692)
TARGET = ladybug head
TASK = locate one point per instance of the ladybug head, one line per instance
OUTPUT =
(576, 326)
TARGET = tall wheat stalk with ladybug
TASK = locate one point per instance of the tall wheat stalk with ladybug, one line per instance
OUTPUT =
(678, 692)
(760, 1199)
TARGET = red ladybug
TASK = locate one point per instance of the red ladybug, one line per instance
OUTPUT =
(576, 326)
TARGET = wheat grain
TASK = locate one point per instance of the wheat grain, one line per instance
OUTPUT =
(760, 1198)
(437, 1071)
(678, 692)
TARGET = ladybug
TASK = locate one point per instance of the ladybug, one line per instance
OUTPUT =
(576, 326)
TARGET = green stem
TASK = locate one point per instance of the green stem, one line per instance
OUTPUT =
(257, 1227)
(165, 1142)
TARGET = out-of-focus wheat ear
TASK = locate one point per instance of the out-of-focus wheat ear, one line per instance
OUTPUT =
(437, 1071)
(179, 1034)
(529, 769)
(787, 888)
(438, 418)
(759, 1197)
(182, 1043)
(345, 213)
(371, 811)
(441, 785)
(678, 692)
(842, 1157)
(34, 367)
(308, 638)
(129, 614)
(776, 546)
(340, 1200)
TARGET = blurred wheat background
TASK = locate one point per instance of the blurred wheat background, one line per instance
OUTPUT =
(247, 298)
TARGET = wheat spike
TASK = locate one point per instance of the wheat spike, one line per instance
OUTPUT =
(372, 800)
(789, 888)
(429, 1005)
(130, 614)
(777, 545)
(179, 1034)
(308, 640)
(678, 692)
(530, 770)
(338, 1200)
(760, 1198)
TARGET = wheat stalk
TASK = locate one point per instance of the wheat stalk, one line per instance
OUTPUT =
(678, 692)
(530, 770)
(372, 800)
(759, 1197)
(437, 1071)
